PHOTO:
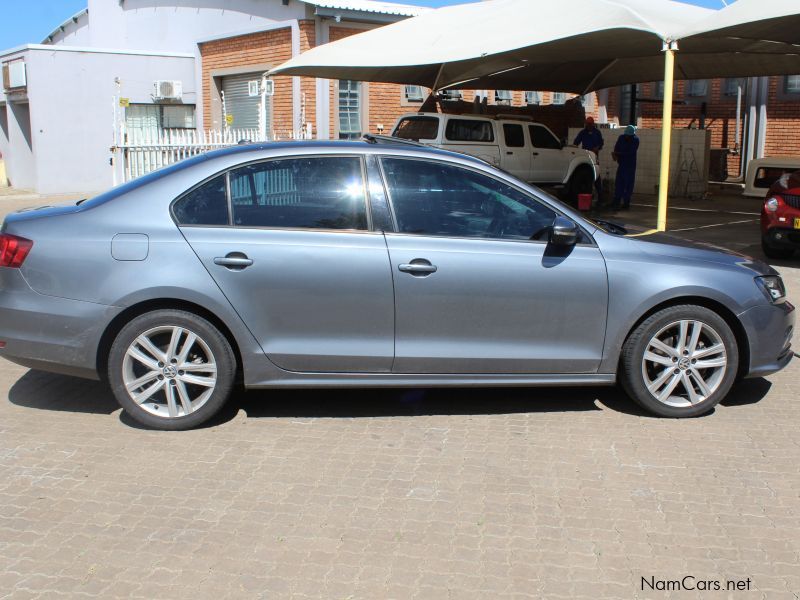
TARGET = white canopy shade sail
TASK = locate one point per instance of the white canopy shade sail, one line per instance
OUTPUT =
(570, 45)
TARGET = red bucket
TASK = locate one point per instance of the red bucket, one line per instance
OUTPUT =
(584, 202)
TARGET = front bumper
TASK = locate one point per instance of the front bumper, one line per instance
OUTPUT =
(769, 329)
(49, 333)
(783, 237)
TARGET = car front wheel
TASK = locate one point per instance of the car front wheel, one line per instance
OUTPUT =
(171, 369)
(680, 361)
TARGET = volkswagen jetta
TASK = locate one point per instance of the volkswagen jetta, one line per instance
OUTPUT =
(368, 264)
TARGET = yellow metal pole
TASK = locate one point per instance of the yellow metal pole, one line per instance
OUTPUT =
(666, 133)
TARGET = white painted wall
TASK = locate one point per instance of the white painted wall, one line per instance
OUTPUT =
(20, 161)
(72, 109)
(687, 144)
(173, 25)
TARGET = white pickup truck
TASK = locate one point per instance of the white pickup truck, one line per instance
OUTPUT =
(527, 150)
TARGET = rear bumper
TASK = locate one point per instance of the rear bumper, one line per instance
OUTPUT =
(49, 333)
(769, 331)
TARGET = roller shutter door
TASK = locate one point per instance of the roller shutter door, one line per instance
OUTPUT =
(240, 104)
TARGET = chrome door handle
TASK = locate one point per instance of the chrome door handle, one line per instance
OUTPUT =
(234, 260)
(418, 267)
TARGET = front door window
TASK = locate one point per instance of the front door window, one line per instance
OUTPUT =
(438, 199)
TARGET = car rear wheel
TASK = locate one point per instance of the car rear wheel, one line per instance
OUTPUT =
(171, 369)
(680, 362)
(773, 252)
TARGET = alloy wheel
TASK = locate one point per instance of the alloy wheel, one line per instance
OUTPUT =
(169, 371)
(684, 363)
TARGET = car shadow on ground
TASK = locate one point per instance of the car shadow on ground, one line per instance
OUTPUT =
(46, 391)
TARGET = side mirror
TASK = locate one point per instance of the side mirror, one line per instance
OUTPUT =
(565, 232)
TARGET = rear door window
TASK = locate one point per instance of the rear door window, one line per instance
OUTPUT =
(300, 193)
(417, 128)
(469, 130)
(514, 135)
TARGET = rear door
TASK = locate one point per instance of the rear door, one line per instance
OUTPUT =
(549, 164)
(298, 262)
(515, 155)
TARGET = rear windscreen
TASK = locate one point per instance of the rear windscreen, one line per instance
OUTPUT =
(417, 128)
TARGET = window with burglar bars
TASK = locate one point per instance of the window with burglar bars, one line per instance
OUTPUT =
(533, 98)
(697, 88)
(349, 109)
(732, 85)
(414, 93)
(502, 97)
(559, 97)
(791, 84)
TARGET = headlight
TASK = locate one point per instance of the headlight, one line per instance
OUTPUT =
(773, 288)
(772, 204)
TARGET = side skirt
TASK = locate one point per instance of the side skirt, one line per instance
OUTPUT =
(332, 380)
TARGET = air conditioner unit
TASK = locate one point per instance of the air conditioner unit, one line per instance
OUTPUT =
(167, 90)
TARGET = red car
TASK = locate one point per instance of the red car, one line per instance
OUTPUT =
(780, 217)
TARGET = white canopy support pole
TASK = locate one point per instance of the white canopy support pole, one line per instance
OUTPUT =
(666, 133)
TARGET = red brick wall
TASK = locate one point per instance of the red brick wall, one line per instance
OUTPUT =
(783, 122)
(308, 85)
(783, 117)
(271, 48)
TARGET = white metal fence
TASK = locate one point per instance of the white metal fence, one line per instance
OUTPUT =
(139, 153)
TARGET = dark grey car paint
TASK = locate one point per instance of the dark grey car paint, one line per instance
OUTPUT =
(324, 308)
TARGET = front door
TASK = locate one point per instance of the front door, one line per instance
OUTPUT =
(473, 292)
(549, 164)
(298, 263)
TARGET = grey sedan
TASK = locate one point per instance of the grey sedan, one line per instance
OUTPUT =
(371, 264)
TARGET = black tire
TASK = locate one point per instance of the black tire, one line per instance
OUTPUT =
(212, 341)
(632, 370)
(581, 182)
(773, 252)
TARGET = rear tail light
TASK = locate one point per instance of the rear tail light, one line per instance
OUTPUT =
(13, 250)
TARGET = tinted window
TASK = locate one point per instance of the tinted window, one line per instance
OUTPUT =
(310, 193)
(417, 128)
(464, 130)
(542, 138)
(439, 199)
(205, 205)
(515, 136)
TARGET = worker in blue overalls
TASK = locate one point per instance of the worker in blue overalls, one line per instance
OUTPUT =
(589, 138)
(625, 154)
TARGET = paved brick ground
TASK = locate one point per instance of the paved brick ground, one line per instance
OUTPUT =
(458, 494)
